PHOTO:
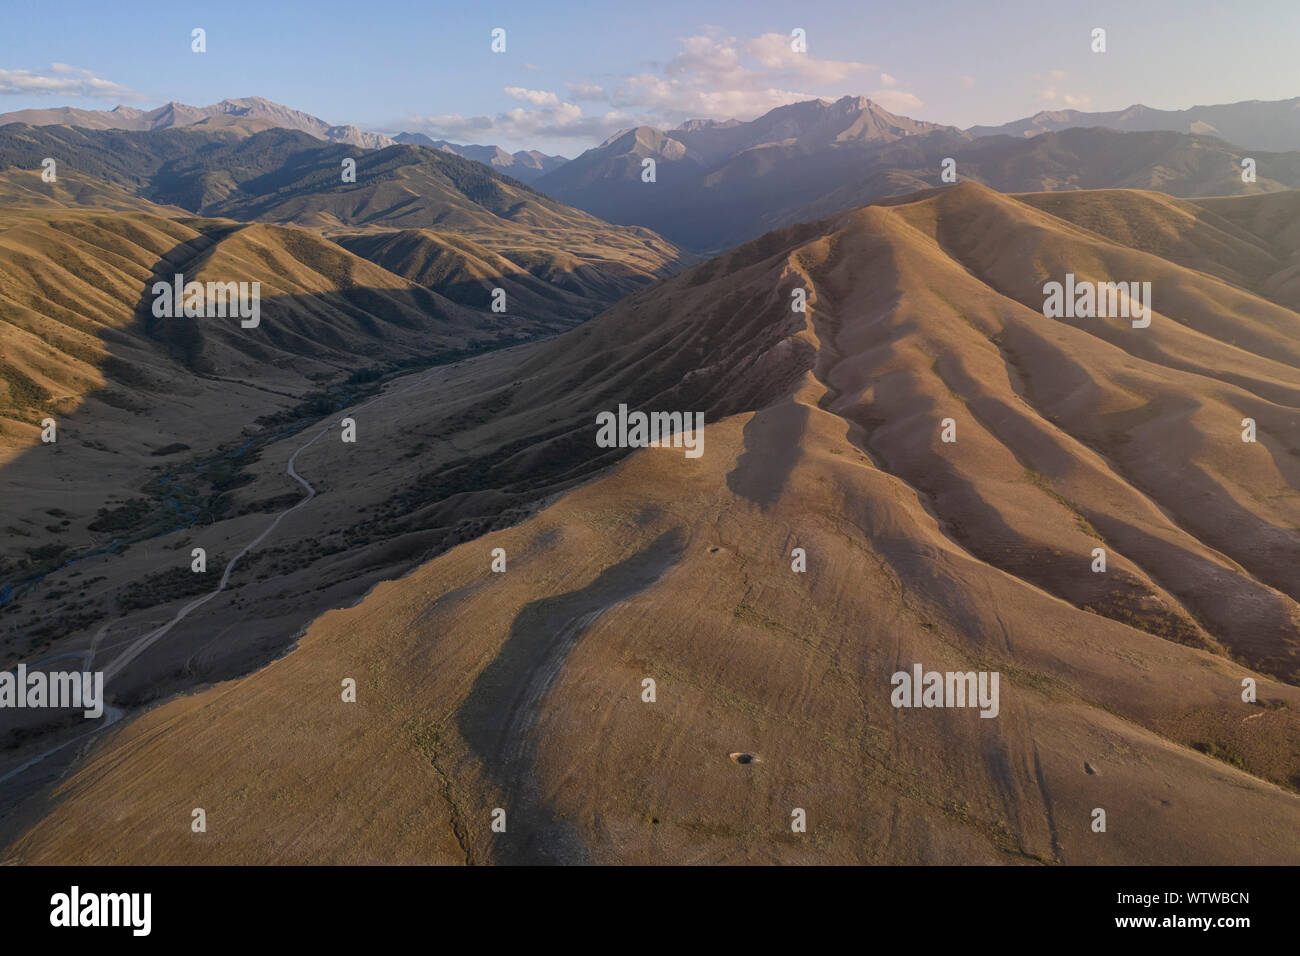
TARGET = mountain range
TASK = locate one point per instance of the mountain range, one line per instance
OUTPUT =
(251, 113)
(395, 483)
(288, 177)
(526, 165)
(1256, 124)
(717, 185)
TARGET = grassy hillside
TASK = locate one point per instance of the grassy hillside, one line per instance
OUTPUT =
(479, 690)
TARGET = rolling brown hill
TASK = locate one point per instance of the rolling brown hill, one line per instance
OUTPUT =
(170, 414)
(413, 187)
(133, 394)
(289, 178)
(73, 190)
(522, 690)
(75, 298)
(466, 272)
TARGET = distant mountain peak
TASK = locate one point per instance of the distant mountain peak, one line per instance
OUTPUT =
(524, 165)
(173, 114)
(698, 124)
(1258, 124)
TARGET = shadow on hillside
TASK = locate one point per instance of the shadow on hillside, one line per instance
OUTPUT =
(172, 411)
(500, 717)
(308, 355)
(771, 452)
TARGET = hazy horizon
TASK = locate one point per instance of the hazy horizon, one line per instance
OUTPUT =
(570, 77)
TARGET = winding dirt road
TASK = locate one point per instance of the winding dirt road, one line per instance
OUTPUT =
(147, 640)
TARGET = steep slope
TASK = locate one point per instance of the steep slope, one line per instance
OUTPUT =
(136, 396)
(1250, 241)
(811, 125)
(715, 183)
(1120, 689)
(1273, 223)
(408, 187)
(467, 272)
(77, 287)
(73, 190)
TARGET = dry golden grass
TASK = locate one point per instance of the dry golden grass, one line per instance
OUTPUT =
(522, 690)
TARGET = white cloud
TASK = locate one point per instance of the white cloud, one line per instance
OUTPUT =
(896, 101)
(522, 126)
(773, 51)
(585, 91)
(562, 114)
(1053, 93)
(687, 97)
(62, 80)
(716, 76)
(711, 76)
(449, 125)
(536, 97)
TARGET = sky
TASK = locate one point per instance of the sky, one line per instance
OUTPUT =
(573, 73)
